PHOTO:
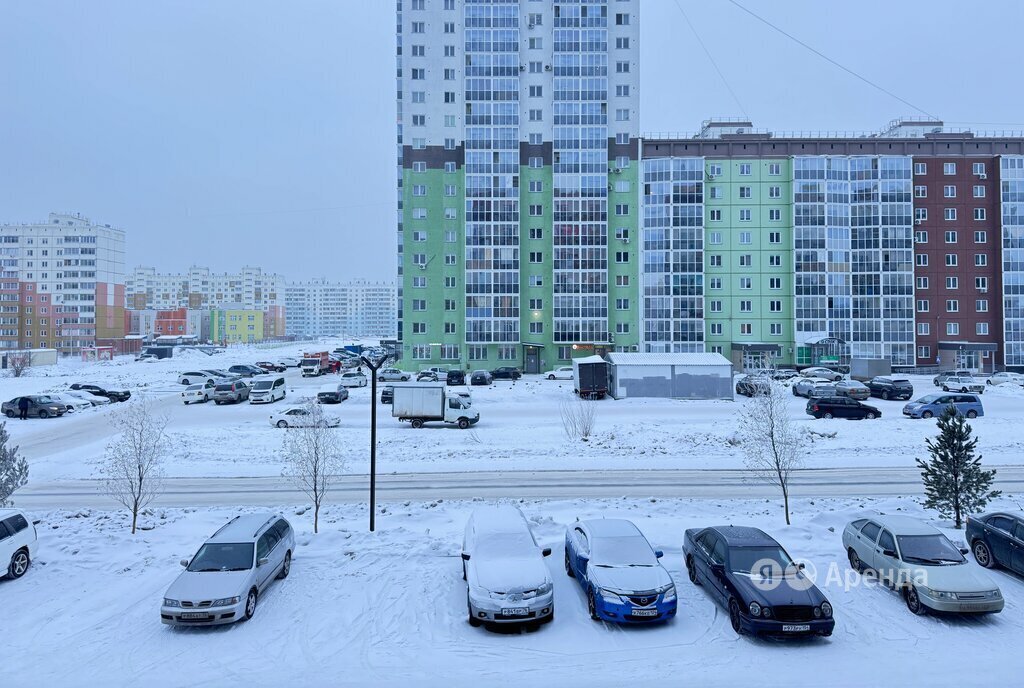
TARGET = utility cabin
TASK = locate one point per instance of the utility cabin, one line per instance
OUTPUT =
(670, 376)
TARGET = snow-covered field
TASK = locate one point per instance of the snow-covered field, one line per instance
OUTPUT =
(389, 609)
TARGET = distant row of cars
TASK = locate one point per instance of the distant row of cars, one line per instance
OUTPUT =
(54, 405)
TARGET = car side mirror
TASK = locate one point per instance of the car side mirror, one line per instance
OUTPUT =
(801, 566)
(546, 551)
(889, 553)
(465, 556)
(263, 561)
(718, 570)
(184, 562)
(658, 553)
(964, 550)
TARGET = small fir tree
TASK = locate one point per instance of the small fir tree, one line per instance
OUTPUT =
(954, 482)
(13, 468)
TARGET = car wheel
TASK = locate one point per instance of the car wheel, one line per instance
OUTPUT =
(473, 621)
(988, 382)
(250, 604)
(972, 414)
(286, 567)
(551, 377)
(871, 416)
(282, 424)
(185, 402)
(43, 413)
(186, 382)
(19, 564)
(691, 571)
(592, 605)
(10, 413)
(568, 567)
(927, 414)
(416, 423)
(827, 415)
(913, 601)
(734, 616)
(463, 423)
(945, 388)
(795, 393)
(855, 563)
(983, 555)
(885, 395)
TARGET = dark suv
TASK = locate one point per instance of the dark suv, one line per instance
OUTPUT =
(841, 407)
(506, 373)
(246, 370)
(101, 392)
(231, 392)
(890, 388)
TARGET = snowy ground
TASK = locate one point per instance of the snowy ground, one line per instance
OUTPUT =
(389, 609)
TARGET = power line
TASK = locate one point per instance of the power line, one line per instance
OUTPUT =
(712, 60)
(830, 60)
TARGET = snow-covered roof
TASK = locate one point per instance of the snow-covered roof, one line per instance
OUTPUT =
(694, 359)
(499, 518)
(589, 359)
(612, 527)
(903, 525)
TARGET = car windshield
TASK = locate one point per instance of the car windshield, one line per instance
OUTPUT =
(627, 550)
(222, 557)
(264, 384)
(761, 560)
(928, 399)
(310, 361)
(504, 545)
(929, 549)
(193, 388)
(44, 400)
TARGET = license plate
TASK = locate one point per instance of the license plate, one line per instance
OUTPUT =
(516, 611)
(796, 629)
(974, 607)
(645, 612)
(195, 615)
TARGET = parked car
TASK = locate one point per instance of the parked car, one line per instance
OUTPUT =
(146, 357)
(300, 417)
(619, 572)
(290, 362)
(934, 404)
(246, 370)
(942, 377)
(225, 579)
(481, 377)
(72, 403)
(784, 374)
(196, 376)
(506, 578)
(353, 378)
(752, 576)
(750, 385)
(271, 367)
(803, 386)
(995, 539)
(919, 562)
(17, 542)
(560, 373)
(440, 374)
(426, 376)
(853, 389)
(841, 407)
(393, 375)
(824, 373)
(113, 395)
(890, 388)
(200, 392)
(821, 391)
(39, 406)
(455, 377)
(387, 395)
(1003, 378)
(506, 373)
(231, 392)
(268, 389)
(962, 384)
(93, 399)
(334, 393)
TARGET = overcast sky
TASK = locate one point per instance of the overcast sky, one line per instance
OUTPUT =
(243, 132)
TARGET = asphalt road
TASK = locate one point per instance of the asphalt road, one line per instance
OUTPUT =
(701, 484)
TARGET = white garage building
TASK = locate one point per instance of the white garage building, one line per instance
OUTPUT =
(673, 376)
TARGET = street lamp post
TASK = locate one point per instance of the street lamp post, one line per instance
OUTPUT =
(374, 366)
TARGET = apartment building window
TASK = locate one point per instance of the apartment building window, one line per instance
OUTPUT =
(449, 97)
(774, 169)
(622, 256)
(419, 282)
(746, 306)
(744, 214)
(536, 186)
(536, 67)
(622, 67)
(419, 304)
(715, 306)
(449, 75)
(774, 214)
(979, 191)
(419, 328)
(622, 233)
(952, 329)
(621, 209)
(949, 191)
(449, 282)
(922, 306)
(449, 144)
(715, 260)
(715, 170)
(449, 328)
(419, 27)
(449, 167)
(536, 115)
(536, 304)
(920, 214)
(535, 19)
(980, 260)
(622, 328)
(745, 260)
(774, 192)
(924, 352)
(421, 352)
(978, 168)
(419, 213)
(981, 306)
(418, 74)
(536, 281)
(746, 282)
(419, 167)
(981, 328)
(951, 260)
(622, 162)
(920, 168)
(622, 186)
(949, 168)
(450, 259)
(745, 192)
(536, 328)
(450, 213)
(449, 27)
(621, 280)
(449, 304)
(449, 121)
(536, 210)
(449, 51)
(536, 139)
(449, 189)
(745, 169)
(419, 236)
(714, 283)
(775, 260)
(950, 237)
(952, 306)
(449, 352)
(949, 213)
(478, 353)
(921, 282)
(774, 237)
(417, 4)
(622, 43)
(715, 192)
(622, 90)
(536, 257)
(419, 189)
(622, 304)
(981, 283)
(745, 237)
(714, 238)
(536, 233)
(419, 97)
(622, 19)
(622, 138)
(775, 283)
(622, 114)
(419, 143)
(923, 329)
(776, 329)
(715, 215)
(746, 328)
(952, 283)
(715, 329)
(979, 213)
(507, 352)
(921, 236)
(981, 237)
(920, 192)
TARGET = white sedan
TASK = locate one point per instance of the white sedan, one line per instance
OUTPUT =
(201, 392)
(825, 373)
(93, 399)
(1000, 378)
(72, 402)
(562, 373)
(302, 417)
(353, 379)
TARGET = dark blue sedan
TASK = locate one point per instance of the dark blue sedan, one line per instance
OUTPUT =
(997, 540)
(752, 576)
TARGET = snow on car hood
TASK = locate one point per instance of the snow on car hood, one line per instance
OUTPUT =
(210, 585)
(791, 589)
(629, 578)
(955, 578)
(511, 574)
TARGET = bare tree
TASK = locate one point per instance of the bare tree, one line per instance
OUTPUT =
(578, 418)
(313, 458)
(771, 441)
(13, 468)
(18, 363)
(134, 460)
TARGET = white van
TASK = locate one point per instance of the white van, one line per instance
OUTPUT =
(17, 543)
(266, 389)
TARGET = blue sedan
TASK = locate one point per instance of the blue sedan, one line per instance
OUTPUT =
(619, 572)
(751, 575)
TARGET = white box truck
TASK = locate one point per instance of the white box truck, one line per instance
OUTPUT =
(422, 402)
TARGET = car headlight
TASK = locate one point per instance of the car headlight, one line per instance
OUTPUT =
(225, 601)
(992, 594)
(826, 610)
(755, 609)
(544, 589)
(669, 593)
(168, 602)
(611, 596)
(939, 594)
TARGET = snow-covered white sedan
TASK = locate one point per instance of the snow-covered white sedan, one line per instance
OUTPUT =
(353, 378)
(73, 403)
(94, 399)
(302, 417)
(560, 373)
(201, 392)
(917, 560)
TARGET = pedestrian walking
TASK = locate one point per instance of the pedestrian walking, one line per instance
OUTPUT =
(23, 408)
